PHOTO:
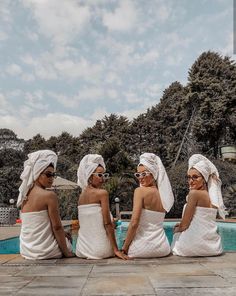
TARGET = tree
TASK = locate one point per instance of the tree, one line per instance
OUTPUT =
(213, 78)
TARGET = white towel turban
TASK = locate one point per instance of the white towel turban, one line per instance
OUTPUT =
(36, 163)
(154, 164)
(87, 166)
(211, 176)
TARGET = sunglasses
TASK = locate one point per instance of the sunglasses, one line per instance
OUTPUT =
(142, 175)
(101, 175)
(193, 178)
(50, 175)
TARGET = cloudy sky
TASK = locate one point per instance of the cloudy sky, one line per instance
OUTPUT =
(67, 63)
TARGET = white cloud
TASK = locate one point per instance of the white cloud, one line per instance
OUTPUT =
(154, 90)
(149, 57)
(28, 77)
(228, 48)
(163, 12)
(3, 103)
(59, 21)
(112, 93)
(35, 100)
(123, 18)
(86, 94)
(82, 69)
(13, 69)
(52, 124)
(175, 40)
(32, 35)
(5, 12)
(132, 113)
(174, 59)
(99, 113)
(3, 36)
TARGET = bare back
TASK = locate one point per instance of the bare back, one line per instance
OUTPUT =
(202, 198)
(151, 199)
(90, 196)
(37, 200)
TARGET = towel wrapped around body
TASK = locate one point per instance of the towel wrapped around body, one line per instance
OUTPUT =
(92, 242)
(37, 240)
(201, 237)
(150, 239)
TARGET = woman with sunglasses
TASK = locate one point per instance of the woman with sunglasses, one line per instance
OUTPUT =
(196, 234)
(42, 235)
(146, 237)
(96, 235)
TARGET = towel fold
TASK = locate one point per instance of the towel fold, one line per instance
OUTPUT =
(150, 239)
(201, 238)
(37, 240)
(92, 242)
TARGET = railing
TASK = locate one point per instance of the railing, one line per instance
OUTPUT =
(8, 216)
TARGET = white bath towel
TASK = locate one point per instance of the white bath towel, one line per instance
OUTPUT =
(150, 239)
(36, 238)
(201, 238)
(92, 242)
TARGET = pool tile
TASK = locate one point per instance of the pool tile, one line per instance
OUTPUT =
(176, 281)
(118, 285)
(56, 271)
(7, 257)
(195, 292)
(51, 286)
(12, 284)
(182, 269)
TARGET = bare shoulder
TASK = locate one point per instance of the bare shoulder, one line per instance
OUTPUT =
(102, 193)
(197, 194)
(140, 192)
(50, 195)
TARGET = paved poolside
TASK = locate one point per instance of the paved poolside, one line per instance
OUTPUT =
(164, 276)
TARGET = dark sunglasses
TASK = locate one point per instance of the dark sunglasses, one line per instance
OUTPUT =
(193, 178)
(142, 175)
(101, 175)
(50, 175)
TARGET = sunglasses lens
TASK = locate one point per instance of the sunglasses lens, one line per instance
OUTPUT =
(50, 175)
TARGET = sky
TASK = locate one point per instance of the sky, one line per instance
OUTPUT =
(67, 63)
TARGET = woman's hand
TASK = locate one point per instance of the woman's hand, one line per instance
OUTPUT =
(69, 254)
(68, 236)
(121, 255)
(176, 227)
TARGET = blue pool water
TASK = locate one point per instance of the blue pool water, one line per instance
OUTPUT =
(226, 230)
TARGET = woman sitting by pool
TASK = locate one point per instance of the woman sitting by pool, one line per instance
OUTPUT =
(196, 234)
(42, 235)
(146, 236)
(96, 236)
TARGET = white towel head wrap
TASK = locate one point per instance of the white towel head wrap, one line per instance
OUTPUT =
(154, 165)
(87, 166)
(211, 176)
(36, 163)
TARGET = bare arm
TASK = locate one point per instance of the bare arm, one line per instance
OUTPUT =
(137, 209)
(59, 233)
(188, 213)
(108, 224)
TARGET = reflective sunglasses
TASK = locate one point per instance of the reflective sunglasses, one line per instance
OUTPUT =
(193, 178)
(101, 175)
(142, 175)
(50, 175)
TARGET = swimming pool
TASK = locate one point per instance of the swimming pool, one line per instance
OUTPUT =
(226, 230)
